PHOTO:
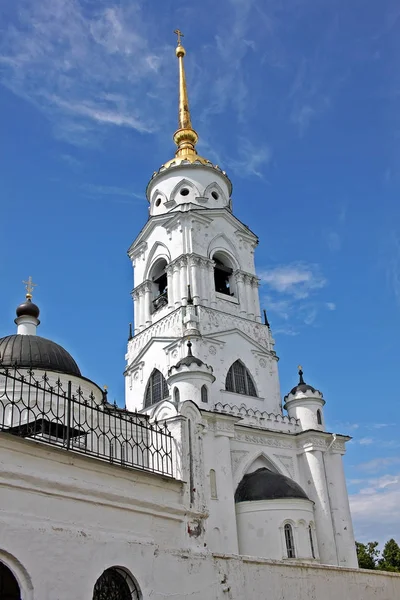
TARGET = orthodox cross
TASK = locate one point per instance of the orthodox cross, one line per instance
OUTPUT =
(179, 34)
(29, 285)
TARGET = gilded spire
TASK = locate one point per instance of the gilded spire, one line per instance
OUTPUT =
(185, 137)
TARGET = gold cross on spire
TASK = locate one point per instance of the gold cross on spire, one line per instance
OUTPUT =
(179, 34)
(29, 285)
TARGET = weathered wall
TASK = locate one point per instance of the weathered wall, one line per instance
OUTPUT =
(66, 518)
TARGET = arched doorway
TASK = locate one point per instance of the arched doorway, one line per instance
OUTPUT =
(9, 588)
(115, 584)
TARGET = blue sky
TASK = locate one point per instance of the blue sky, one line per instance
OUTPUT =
(299, 102)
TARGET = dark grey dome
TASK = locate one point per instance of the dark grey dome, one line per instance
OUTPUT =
(28, 308)
(32, 351)
(189, 359)
(302, 386)
(264, 484)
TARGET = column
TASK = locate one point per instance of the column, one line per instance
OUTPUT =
(204, 293)
(241, 292)
(340, 508)
(147, 303)
(170, 290)
(323, 519)
(140, 308)
(194, 275)
(176, 286)
(135, 297)
(184, 280)
(211, 284)
(256, 300)
(249, 296)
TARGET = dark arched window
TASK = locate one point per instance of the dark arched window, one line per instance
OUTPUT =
(204, 393)
(176, 395)
(223, 279)
(289, 540)
(319, 417)
(239, 380)
(310, 535)
(159, 278)
(157, 388)
(9, 588)
(115, 584)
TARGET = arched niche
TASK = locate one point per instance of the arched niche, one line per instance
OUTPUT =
(159, 250)
(214, 191)
(184, 191)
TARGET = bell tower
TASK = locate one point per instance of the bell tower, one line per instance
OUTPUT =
(194, 277)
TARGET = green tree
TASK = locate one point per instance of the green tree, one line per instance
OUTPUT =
(367, 555)
(390, 560)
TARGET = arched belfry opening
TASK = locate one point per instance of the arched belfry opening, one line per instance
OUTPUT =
(158, 277)
(223, 274)
(9, 588)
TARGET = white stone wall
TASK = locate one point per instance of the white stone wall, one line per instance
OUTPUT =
(64, 519)
(261, 528)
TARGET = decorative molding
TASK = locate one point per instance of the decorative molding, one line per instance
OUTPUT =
(263, 440)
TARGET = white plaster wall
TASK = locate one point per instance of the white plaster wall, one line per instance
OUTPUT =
(305, 409)
(260, 527)
(65, 519)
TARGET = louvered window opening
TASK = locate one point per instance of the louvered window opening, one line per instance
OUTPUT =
(289, 541)
(239, 381)
(157, 388)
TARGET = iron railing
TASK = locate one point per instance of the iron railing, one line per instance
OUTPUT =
(54, 412)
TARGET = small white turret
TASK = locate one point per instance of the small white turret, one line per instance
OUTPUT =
(27, 313)
(305, 403)
(191, 379)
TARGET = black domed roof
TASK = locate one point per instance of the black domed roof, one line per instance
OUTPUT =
(189, 359)
(302, 386)
(28, 308)
(264, 484)
(32, 351)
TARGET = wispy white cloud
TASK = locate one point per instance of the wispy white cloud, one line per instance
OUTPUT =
(375, 508)
(365, 441)
(377, 464)
(297, 280)
(330, 305)
(85, 66)
(110, 190)
(289, 294)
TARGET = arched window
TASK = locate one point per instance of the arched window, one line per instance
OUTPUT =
(204, 393)
(158, 276)
(319, 417)
(116, 584)
(310, 535)
(239, 380)
(289, 540)
(157, 388)
(223, 278)
(9, 588)
(176, 395)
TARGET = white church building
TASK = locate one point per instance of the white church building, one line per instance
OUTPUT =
(206, 485)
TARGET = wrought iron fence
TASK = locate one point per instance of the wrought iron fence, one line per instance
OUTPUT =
(56, 413)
